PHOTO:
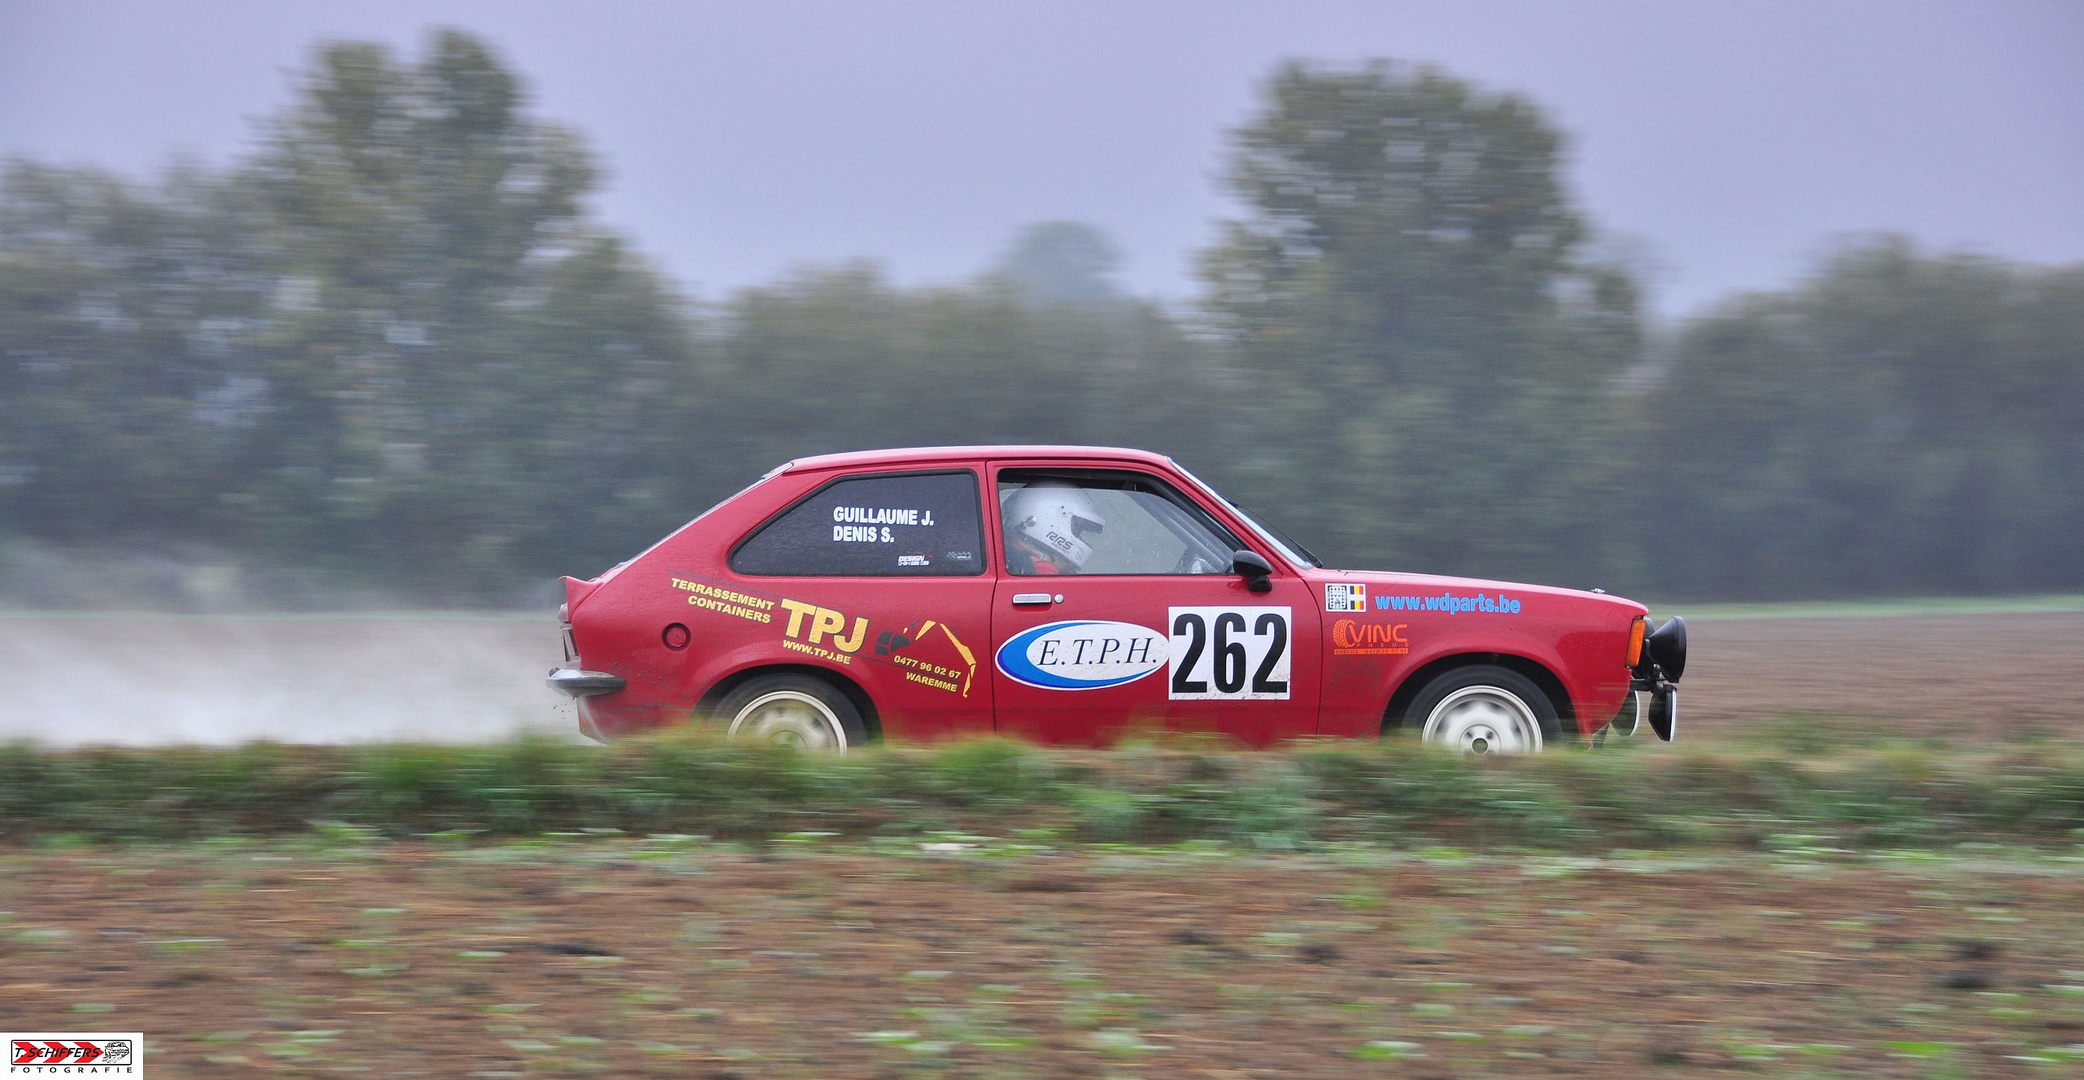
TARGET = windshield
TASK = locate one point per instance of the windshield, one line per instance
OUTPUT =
(1295, 552)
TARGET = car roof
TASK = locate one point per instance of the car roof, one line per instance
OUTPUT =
(937, 454)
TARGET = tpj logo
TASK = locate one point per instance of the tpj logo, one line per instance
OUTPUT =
(809, 622)
(1352, 638)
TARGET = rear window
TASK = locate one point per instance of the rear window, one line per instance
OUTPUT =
(902, 525)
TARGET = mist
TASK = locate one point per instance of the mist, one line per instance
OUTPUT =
(1721, 145)
(141, 678)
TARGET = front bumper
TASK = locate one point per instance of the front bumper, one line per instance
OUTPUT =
(1655, 679)
(1656, 701)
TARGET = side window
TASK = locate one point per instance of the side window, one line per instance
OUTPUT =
(906, 525)
(1105, 522)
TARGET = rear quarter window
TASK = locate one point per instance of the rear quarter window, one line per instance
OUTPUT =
(890, 525)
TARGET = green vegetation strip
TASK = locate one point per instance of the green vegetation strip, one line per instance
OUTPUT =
(1838, 789)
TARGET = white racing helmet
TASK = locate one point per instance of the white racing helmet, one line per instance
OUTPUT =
(1057, 517)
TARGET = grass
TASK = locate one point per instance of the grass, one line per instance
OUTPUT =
(1793, 786)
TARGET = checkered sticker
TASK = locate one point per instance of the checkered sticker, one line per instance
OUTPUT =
(1341, 596)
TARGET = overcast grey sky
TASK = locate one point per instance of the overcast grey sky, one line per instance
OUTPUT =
(1723, 144)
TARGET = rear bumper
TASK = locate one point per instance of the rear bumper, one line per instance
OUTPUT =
(583, 687)
(573, 682)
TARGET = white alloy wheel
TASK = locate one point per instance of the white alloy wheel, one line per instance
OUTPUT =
(792, 719)
(1484, 720)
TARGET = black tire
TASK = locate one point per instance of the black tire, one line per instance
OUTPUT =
(798, 711)
(1483, 708)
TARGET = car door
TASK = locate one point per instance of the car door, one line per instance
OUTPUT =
(882, 577)
(1116, 608)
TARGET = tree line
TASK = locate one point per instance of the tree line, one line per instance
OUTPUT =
(392, 345)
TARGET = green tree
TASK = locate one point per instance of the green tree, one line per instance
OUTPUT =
(839, 359)
(124, 399)
(1425, 338)
(1899, 423)
(435, 377)
(1061, 262)
(392, 343)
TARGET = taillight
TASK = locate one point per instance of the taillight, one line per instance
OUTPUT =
(1635, 641)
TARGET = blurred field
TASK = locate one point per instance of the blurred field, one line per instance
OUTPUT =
(1989, 674)
(678, 957)
(1866, 895)
(154, 679)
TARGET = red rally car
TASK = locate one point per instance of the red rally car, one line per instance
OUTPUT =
(1070, 594)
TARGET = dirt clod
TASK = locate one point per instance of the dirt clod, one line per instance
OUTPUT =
(571, 948)
(1976, 950)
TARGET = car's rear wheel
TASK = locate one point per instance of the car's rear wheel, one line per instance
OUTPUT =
(795, 712)
(1484, 709)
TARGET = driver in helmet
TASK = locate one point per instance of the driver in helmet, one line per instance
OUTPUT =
(1050, 528)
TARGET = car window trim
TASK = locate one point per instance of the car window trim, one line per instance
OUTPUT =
(1179, 492)
(1288, 549)
(984, 563)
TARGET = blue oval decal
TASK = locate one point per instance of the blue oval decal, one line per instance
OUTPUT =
(1086, 654)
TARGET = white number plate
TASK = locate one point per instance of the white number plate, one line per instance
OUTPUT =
(1236, 653)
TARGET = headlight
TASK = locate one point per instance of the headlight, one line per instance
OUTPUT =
(1667, 646)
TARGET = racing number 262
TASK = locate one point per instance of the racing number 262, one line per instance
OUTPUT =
(1223, 652)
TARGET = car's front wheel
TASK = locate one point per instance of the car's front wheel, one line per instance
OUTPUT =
(1483, 709)
(796, 712)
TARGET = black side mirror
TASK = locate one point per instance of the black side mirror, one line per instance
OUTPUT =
(1253, 567)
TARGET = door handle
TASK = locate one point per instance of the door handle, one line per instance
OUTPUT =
(1027, 598)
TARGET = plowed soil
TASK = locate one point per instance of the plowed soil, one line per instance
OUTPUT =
(620, 958)
(1979, 674)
